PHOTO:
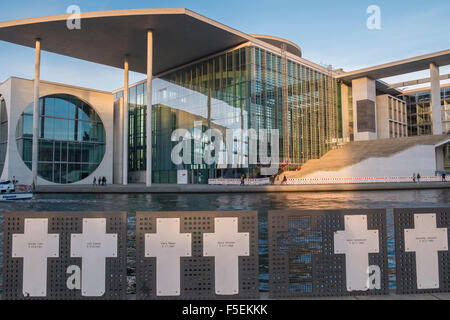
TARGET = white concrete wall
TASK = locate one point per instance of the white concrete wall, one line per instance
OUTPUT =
(363, 89)
(22, 97)
(5, 90)
(419, 159)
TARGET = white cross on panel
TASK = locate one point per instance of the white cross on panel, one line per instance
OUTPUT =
(226, 244)
(168, 245)
(356, 242)
(93, 246)
(35, 246)
(426, 240)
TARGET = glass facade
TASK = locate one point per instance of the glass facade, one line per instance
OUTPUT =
(420, 115)
(299, 101)
(71, 138)
(245, 88)
(137, 122)
(3, 133)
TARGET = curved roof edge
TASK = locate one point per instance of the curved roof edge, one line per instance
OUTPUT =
(95, 14)
(121, 33)
(276, 41)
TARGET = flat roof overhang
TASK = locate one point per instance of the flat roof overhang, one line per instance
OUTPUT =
(180, 36)
(441, 58)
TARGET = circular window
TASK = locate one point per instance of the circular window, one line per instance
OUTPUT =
(71, 138)
(3, 133)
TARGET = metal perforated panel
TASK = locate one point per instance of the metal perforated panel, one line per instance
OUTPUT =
(63, 224)
(302, 259)
(197, 272)
(435, 263)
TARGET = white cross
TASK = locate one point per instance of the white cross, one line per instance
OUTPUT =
(35, 246)
(168, 245)
(226, 244)
(426, 240)
(356, 242)
(93, 246)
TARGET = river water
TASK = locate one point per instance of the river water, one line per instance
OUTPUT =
(262, 202)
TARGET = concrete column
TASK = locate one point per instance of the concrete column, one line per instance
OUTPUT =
(149, 106)
(37, 74)
(364, 109)
(436, 107)
(125, 123)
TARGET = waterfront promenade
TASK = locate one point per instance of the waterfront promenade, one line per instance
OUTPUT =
(173, 188)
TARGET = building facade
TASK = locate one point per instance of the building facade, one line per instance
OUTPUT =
(75, 133)
(420, 114)
(213, 77)
(244, 88)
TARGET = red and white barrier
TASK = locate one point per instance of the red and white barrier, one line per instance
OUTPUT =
(253, 182)
(359, 180)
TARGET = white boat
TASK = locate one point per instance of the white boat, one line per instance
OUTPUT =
(16, 196)
(7, 186)
(11, 192)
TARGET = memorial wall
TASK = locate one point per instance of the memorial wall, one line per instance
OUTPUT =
(214, 255)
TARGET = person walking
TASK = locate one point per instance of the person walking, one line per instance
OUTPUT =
(242, 180)
(94, 183)
(418, 177)
(104, 181)
(414, 177)
(444, 177)
(99, 181)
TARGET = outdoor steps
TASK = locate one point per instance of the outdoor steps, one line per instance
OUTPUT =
(358, 151)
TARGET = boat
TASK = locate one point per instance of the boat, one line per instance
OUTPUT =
(11, 192)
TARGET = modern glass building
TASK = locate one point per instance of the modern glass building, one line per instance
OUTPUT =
(71, 138)
(244, 88)
(204, 75)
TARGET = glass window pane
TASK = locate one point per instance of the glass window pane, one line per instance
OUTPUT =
(46, 151)
(45, 171)
(49, 128)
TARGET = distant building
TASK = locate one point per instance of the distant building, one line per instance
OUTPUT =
(420, 113)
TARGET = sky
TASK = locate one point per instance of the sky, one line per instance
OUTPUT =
(329, 33)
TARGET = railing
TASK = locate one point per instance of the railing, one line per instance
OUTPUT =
(215, 255)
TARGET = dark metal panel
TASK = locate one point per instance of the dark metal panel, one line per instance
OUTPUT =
(302, 262)
(365, 110)
(197, 272)
(64, 224)
(406, 272)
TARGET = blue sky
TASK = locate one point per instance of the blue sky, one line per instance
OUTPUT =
(329, 32)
